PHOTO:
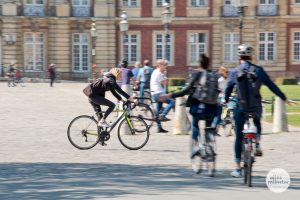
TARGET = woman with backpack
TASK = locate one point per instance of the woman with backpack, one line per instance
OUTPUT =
(203, 94)
(96, 93)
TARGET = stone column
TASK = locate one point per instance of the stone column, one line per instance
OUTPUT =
(279, 118)
(181, 123)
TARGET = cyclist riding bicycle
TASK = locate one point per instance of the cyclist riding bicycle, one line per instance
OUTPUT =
(257, 76)
(203, 104)
(96, 93)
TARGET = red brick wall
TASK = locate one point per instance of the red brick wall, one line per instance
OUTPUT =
(146, 44)
(146, 6)
(180, 8)
(180, 68)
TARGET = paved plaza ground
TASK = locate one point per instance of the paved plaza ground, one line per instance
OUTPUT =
(38, 162)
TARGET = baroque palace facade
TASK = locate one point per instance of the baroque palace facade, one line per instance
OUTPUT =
(35, 33)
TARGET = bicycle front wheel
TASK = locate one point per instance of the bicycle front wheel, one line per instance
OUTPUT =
(83, 132)
(133, 133)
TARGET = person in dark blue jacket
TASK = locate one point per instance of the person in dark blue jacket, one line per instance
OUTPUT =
(245, 53)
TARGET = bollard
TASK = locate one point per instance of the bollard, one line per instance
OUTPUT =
(181, 123)
(279, 118)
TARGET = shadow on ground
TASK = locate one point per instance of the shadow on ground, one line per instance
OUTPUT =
(88, 181)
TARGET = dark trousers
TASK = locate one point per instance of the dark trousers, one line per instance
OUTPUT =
(96, 101)
(51, 81)
(240, 119)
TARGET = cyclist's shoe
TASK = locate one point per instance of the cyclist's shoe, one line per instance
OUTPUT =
(258, 151)
(161, 130)
(237, 173)
(103, 123)
(163, 118)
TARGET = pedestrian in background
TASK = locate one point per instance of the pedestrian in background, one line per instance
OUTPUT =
(52, 73)
(144, 78)
(136, 69)
(11, 74)
(158, 83)
(127, 75)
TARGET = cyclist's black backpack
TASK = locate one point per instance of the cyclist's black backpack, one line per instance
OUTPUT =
(248, 86)
(208, 92)
(91, 88)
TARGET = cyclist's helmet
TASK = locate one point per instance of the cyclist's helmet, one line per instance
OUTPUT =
(115, 71)
(245, 50)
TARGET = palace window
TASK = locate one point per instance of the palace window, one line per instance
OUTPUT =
(197, 45)
(231, 43)
(80, 52)
(266, 46)
(80, 8)
(198, 3)
(130, 3)
(34, 8)
(297, 46)
(130, 48)
(34, 51)
(163, 47)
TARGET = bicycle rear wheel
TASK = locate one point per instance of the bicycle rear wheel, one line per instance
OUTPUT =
(246, 156)
(133, 133)
(144, 111)
(83, 132)
(249, 173)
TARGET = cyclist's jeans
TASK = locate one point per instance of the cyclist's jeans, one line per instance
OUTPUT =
(195, 125)
(96, 101)
(166, 110)
(239, 118)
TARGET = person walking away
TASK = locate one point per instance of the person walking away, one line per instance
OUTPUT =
(52, 73)
(158, 82)
(144, 78)
(203, 99)
(127, 75)
(11, 74)
(96, 93)
(248, 78)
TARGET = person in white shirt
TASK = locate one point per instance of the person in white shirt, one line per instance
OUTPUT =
(158, 83)
(222, 82)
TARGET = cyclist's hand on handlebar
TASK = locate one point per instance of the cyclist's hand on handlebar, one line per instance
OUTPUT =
(291, 102)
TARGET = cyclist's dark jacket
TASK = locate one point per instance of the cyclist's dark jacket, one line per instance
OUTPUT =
(108, 83)
(263, 79)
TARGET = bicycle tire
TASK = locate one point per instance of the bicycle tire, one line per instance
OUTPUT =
(128, 135)
(246, 170)
(249, 173)
(210, 151)
(144, 111)
(80, 128)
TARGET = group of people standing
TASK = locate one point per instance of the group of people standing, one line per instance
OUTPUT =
(147, 78)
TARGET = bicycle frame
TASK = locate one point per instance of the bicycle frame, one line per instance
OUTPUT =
(125, 113)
